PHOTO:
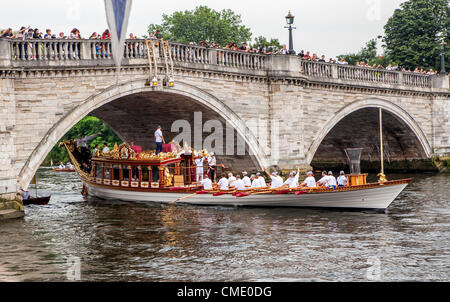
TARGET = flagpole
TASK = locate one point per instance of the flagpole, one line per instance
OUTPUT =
(381, 141)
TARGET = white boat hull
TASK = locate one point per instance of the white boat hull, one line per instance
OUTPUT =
(379, 197)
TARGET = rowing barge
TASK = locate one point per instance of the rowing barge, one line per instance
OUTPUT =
(167, 178)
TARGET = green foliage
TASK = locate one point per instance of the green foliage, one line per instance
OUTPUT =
(411, 34)
(87, 126)
(203, 23)
(267, 43)
(368, 54)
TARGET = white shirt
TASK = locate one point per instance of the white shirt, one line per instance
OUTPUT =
(323, 180)
(105, 150)
(199, 162)
(211, 161)
(61, 166)
(158, 136)
(247, 181)
(239, 185)
(207, 184)
(223, 183)
(342, 180)
(310, 182)
(292, 182)
(231, 181)
(277, 182)
(331, 181)
(259, 183)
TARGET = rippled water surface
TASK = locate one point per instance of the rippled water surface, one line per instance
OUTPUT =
(118, 241)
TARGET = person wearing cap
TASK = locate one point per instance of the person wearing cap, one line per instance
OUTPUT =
(342, 179)
(199, 168)
(159, 139)
(212, 166)
(324, 180)
(331, 183)
(309, 181)
(238, 184)
(292, 181)
(276, 180)
(246, 180)
(259, 181)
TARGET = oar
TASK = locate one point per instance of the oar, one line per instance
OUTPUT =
(182, 198)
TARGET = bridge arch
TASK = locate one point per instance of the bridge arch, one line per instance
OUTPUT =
(394, 110)
(126, 89)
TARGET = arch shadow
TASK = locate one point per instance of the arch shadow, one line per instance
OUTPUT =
(392, 108)
(128, 88)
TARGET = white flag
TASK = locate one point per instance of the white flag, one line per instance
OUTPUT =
(117, 14)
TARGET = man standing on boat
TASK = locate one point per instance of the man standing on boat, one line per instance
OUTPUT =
(212, 166)
(159, 139)
(199, 168)
(82, 144)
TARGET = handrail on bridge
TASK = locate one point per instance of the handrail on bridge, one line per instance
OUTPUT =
(71, 52)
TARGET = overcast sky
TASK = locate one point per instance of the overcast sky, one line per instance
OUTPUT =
(329, 27)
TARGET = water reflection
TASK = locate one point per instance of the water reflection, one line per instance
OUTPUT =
(147, 242)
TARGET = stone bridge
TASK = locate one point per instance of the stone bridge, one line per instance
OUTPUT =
(276, 110)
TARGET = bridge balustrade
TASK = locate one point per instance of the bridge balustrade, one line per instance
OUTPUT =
(354, 73)
(92, 50)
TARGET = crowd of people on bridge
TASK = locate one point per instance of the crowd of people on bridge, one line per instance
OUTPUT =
(28, 33)
(341, 61)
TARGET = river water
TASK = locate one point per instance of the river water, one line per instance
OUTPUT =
(118, 241)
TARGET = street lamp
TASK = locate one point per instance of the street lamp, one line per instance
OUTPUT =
(290, 21)
(443, 57)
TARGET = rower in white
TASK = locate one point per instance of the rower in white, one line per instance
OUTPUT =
(324, 180)
(246, 180)
(310, 181)
(239, 184)
(342, 180)
(206, 183)
(231, 179)
(331, 183)
(276, 180)
(223, 183)
(292, 181)
(259, 181)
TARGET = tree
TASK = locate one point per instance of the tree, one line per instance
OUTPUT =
(368, 54)
(203, 23)
(87, 126)
(411, 34)
(266, 43)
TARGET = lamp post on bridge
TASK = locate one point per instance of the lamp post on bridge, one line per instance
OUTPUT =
(290, 21)
(442, 72)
